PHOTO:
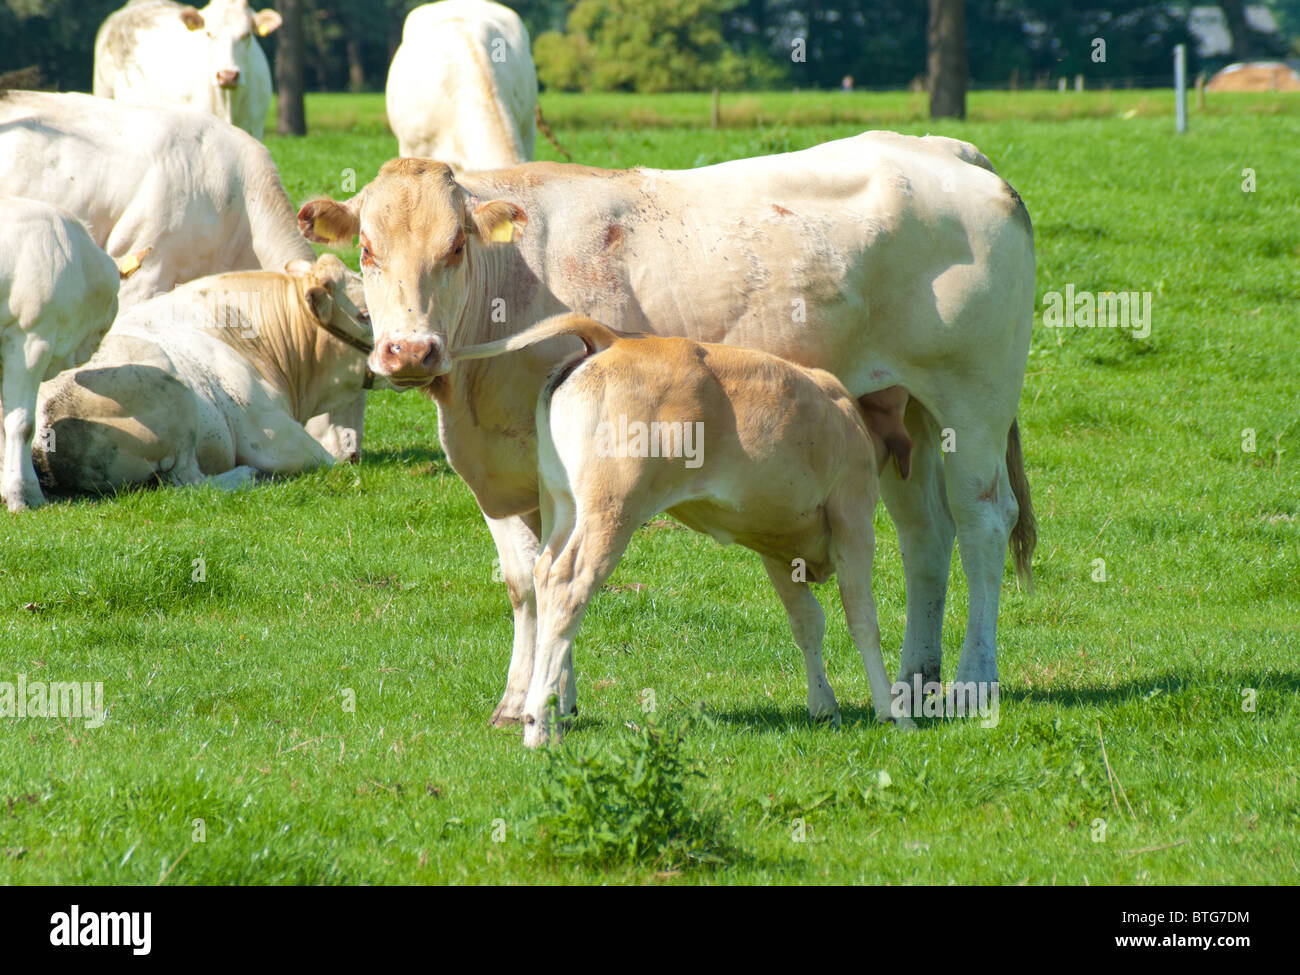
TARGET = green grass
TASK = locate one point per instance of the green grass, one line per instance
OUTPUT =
(226, 699)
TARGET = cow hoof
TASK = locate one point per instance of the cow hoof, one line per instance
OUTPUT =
(507, 715)
(829, 718)
(903, 723)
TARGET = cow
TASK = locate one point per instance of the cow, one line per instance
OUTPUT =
(210, 383)
(732, 442)
(168, 53)
(462, 88)
(207, 198)
(58, 296)
(887, 260)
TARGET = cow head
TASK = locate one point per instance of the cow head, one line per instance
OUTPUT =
(421, 234)
(229, 26)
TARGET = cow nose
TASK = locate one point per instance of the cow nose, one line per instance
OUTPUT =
(411, 359)
(228, 78)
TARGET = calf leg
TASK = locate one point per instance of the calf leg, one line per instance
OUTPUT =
(979, 494)
(569, 571)
(808, 624)
(517, 544)
(852, 549)
(919, 510)
(340, 432)
(23, 361)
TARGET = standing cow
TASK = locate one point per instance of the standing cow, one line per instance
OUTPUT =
(206, 197)
(887, 260)
(172, 54)
(462, 88)
(58, 296)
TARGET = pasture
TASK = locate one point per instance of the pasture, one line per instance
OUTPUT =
(308, 666)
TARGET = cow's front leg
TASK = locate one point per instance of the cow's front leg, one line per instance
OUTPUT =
(24, 363)
(517, 542)
(340, 432)
(919, 509)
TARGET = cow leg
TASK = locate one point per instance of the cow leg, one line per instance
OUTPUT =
(979, 495)
(340, 432)
(569, 571)
(808, 624)
(919, 509)
(25, 360)
(853, 542)
(517, 542)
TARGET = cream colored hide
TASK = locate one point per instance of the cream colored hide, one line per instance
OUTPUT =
(205, 197)
(163, 53)
(462, 88)
(210, 383)
(884, 259)
(58, 296)
(734, 443)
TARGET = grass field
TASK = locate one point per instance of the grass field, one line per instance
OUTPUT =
(227, 698)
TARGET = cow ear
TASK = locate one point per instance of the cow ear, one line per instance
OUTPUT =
(191, 18)
(327, 221)
(498, 221)
(266, 22)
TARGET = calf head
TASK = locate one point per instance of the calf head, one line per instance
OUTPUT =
(422, 239)
(335, 298)
(229, 26)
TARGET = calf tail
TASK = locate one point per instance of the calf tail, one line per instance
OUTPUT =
(1024, 536)
(595, 336)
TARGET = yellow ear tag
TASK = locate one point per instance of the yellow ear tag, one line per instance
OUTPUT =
(504, 232)
(128, 265)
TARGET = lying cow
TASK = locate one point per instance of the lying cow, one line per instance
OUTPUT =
(210, 383)
(58, 296)
(168, 53)
(734, 443)
(462, 88)
(205, 197)
(885, 259)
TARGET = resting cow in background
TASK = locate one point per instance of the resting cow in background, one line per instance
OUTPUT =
(58, 296)
(205, 197)
(462, 88)
(210, 383)
(887, 260)
(168, 53)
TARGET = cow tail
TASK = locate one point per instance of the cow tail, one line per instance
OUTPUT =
(1024, 536)
(550, 136)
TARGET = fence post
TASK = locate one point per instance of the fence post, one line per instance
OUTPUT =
(1180, 87)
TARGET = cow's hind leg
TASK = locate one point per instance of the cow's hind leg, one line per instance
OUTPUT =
(920, 513)
(808, 624)
(517, 543)
(569, 571)
(982, 503)
(23, 362)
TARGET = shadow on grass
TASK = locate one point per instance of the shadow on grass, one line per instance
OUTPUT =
(1168, 683)
(432, 459)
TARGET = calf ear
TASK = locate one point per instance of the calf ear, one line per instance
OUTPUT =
(191, 18)
(498, 221)
(327, 221)
(266, 22)
(321, 299)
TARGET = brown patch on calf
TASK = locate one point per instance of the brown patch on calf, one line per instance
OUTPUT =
(782, 210)
(883, 412)
(613, 237)
(991, 493)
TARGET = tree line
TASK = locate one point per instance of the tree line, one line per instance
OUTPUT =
(666, 45)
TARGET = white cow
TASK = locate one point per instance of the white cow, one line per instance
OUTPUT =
(206, 197)
(58, 296)
(168, 53)
(210, 383)
(885, 259)
(462, 88)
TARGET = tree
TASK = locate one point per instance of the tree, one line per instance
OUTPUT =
(290, 114)
(948, 61)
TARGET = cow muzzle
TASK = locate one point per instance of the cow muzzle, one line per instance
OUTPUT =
(228, 78)
(409, 361)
